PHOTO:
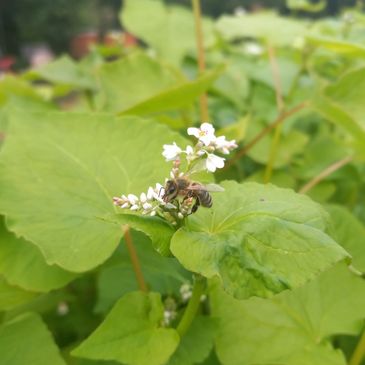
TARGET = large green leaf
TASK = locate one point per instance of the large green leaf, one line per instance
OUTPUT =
(197, 343)
(23, 265)
(170, 30)
(26, 340)
(293, 327)
(266, 26)
(181, 95)
(12, 296)
(138, 84)
(58, 195)
(132, 333)
(258, 239)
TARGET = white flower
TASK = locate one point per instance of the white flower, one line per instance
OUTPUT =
(171, 151)
(223, 145)
(205, 133)
(143, 198)
(132, 199)
(214, 162)
(150, 193)
(253, 48)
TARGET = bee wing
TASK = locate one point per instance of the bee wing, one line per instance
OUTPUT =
(208, 187)
(214, 188)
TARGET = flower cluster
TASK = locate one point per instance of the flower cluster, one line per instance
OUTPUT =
(199, 157)
(206, 145)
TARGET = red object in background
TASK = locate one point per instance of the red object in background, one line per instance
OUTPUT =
(80, 44)
(6, 62)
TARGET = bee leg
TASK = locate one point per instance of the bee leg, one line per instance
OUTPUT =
(195, 206)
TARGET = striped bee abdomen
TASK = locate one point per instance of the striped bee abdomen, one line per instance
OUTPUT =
(205, 198)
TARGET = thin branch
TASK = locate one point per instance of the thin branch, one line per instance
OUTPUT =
(134, 259)
(326, 172)
(280, 119)
(359, 351)
(204, 115)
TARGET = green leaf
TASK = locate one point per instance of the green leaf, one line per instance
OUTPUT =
(306, 5)
(336, 114)
(131, 333)
(11, 296)
(348, 93)
(337, 45)
(157, 229)
(291, 144)
(197, 343)
(267, 26)
(181, 95)
(258, 239)
(58, 196)
(349, 232)
(170, 31)
(17, 92)
(162, 274)
(137, 84)
(64, 71)
(23, 265)
(132, 80)
(295, 326)
(26, 340)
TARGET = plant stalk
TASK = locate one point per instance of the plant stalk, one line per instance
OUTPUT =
(326, 172)
(134, 259)
(359, 351)
(281, 108)
(204, 115)
(193, 306)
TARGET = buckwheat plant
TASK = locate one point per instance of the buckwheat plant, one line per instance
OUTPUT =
(199, 157)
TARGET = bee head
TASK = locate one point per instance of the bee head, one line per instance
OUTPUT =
(170, 191)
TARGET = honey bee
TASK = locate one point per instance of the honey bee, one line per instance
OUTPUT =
(182, 186)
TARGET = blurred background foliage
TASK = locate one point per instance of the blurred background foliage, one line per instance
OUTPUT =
(56, 22)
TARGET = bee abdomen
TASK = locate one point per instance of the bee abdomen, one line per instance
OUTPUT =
(205, 199)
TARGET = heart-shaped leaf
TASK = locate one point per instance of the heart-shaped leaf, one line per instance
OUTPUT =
(60, 171)
(259, 239)
(132, 334)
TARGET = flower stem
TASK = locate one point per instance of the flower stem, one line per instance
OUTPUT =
(326, 172)
(134, 259)
(204, 115)
(359, 351)
(193, 306)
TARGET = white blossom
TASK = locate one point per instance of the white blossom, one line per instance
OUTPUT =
(186, 292)
(254, 49)
(205, 133)
(214, 162)
(224, 146)
(171, 151)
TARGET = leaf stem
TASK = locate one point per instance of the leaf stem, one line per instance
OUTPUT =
(326, 172)
(134, 259)
(281, 108)
(359, 351)
(280, 119)
(193, 306)
(204, 115)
